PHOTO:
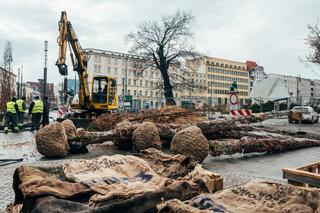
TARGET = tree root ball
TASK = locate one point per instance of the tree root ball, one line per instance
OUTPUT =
(70, 128)
(124, 131)
(146, 136)
(190, 142)
(51, 140)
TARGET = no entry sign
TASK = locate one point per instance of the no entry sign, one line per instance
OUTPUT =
(233, 99)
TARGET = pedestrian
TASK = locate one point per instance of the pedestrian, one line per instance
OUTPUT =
(22, 105)
(11, 116)
(36, 110)
(46, 110)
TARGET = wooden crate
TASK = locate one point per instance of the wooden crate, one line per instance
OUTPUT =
(307, 176)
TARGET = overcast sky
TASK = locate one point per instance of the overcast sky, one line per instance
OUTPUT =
(270, 32)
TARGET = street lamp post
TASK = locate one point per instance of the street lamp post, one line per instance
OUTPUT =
(44, 86)
(126, 75)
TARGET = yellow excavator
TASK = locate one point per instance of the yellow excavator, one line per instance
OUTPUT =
(103, 94)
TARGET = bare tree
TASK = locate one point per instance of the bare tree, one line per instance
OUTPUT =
(6, 77)
(313, 40)
(165, 46)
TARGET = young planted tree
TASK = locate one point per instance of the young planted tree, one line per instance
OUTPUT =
(165, 46)
(6, 77)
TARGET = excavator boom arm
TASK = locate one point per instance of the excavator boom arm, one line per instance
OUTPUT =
(79, 58)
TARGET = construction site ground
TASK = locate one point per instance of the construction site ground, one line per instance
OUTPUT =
(236, 169)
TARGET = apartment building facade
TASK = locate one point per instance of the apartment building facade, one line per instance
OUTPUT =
(145, 87)
(220, 75)
(209, 81)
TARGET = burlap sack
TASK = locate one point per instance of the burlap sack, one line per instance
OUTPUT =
(123, 136)
(254, 197)
(69, 128)
(167, 165)
(146, 136)
(52, 141)
(190, 142)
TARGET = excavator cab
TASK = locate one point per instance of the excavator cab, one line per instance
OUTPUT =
(104, 93)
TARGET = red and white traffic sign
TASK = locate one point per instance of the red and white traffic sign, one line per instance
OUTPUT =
(233, 99)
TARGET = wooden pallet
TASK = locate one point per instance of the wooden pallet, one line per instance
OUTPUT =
(306, 176)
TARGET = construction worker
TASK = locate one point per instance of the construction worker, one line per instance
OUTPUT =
(11, 116)
(46, 110)
(36, 110)
(22, 108)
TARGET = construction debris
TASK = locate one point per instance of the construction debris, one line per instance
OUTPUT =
(255, 196)
(190, 142)
(146, 136)
(52, 141)
(119, 183)
(249, 144)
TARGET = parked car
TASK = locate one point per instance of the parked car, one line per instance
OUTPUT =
(303, 113)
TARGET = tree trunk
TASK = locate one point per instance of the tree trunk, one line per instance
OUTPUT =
(168, 94)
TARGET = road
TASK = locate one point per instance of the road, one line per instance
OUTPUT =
(282, 126)
(236, 169)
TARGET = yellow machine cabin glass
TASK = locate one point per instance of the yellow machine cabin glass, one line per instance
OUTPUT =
(100, 90)
(113, 91)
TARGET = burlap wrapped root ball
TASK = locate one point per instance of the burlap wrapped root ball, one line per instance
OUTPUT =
(124, 131)
(51, 140)
(70, 128)
(190, 142)
(146, 136)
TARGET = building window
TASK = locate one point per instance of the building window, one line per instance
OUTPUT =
(109, 70)
(146, 83)
(140, 92)
(129, 82)
(135, 92)
(140, 82)
(115, 61)
(97, 59)
(146, 93)
(115, 70)
(109, 60)
(134, 82)
(129, 92)
(97, 68)
(151, 94)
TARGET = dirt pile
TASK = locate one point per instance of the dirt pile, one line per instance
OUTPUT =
(51, 140)
(146, 136)
(108, 121)
(190, 142)
(174, 114)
